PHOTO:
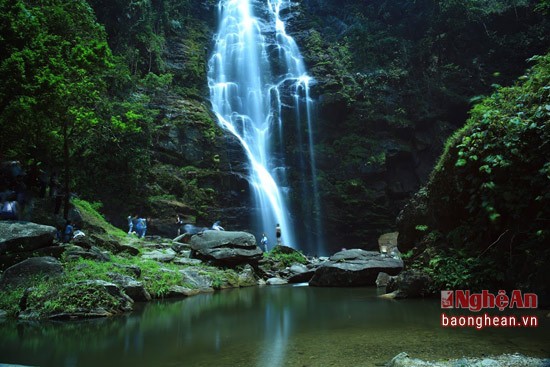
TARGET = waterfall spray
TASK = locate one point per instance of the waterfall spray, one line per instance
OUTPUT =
(246, 95)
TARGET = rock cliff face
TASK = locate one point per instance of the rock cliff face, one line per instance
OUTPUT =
(392, 81)
(199, 172)
(196, 171)
(484, 212)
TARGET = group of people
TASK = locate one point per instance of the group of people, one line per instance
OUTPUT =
(13, 191)
(137, 225)
(19, 186)
(183, 227)
(264, 241)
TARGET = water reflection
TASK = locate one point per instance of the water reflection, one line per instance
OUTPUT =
(277, 324)
(271, 327)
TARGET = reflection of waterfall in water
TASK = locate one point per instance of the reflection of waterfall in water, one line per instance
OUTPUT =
(255, 74)
(278, 327)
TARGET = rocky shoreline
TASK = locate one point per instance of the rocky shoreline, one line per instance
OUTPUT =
(504, 360)
(103, 274)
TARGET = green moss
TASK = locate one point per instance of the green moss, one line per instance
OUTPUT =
(157, 278)
(9, 301)
(55, 297)
(285, 258)
(91, 216)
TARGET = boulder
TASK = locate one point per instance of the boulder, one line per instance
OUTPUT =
(23, 272)
(152, 245)
(300, 273)
(177, 291)
(382, 280)
(247, 277)
(225, 247)
(388, 241)
(106, 242)
(186, 261)
(85, 299)
(133, 289)
(24, 236)
(8, 260)
(130, 250)
(403, 360)
(276, 281)
(160, 255)
(180, 247)
(83, 241)
(350, 268)
(265, 269)
(93, 253)
(410, 284)
(135, 270)
(197, 280)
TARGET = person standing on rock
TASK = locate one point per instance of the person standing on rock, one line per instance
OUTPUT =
(179, 223)
(130, 224)
(141, 227)
(263, 242)
(68, 232)
(9, 209)
(278, 233)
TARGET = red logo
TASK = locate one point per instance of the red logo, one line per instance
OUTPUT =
(485, 299)
(447, 299)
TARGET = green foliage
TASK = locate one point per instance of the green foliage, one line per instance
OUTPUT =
(222, 278)
(9, 301)
(55, 59)
(475, 9)
(55, 297)
(421, 228)
(333, 60)
(489, 190)
(457, 269)
(92, 217)
(543, 6)
(285, 258)
(57, 99)
(409, 66)
(156, 278)
(503, 133)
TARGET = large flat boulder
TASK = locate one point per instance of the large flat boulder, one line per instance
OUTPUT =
(352, 268)
(22, 273)
(18, 237)
(300, 273)
(225, 247)
(133, 289)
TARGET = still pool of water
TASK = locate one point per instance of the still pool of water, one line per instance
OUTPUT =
(264, 326)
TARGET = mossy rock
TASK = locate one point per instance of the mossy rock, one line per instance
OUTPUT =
(92, 298)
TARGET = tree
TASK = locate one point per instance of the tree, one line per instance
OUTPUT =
(55, 61)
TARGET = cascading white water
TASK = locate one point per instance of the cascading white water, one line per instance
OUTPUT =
(246, 95)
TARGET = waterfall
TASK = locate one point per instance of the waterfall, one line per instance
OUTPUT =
(256, 71)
